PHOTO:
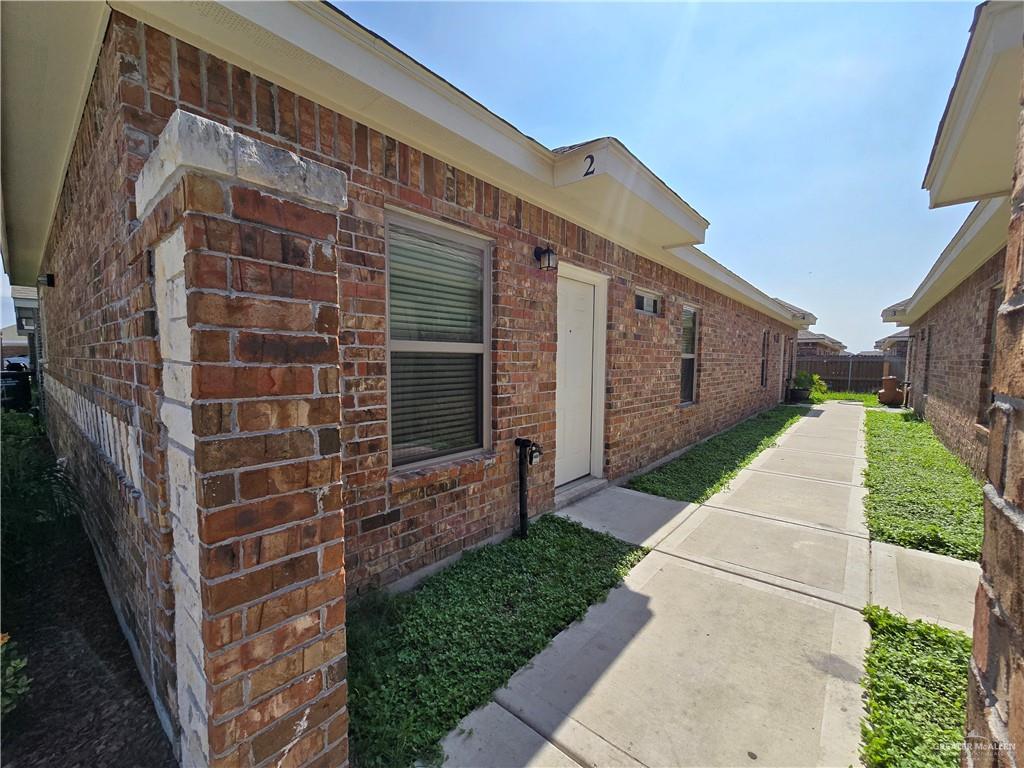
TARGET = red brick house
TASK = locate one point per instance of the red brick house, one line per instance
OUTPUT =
(966, 320)
(895, 344)
(305, 295)
(951, 320)
(811, 344)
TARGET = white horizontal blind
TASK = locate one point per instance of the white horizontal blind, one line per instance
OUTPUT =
(436, 288)
(436, 319)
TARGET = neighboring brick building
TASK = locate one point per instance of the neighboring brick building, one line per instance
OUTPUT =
(811, 344)
(970, 311)
(895, 344)
(951, 319)
(298, 319)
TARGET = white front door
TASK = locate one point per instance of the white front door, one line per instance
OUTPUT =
(575, 379)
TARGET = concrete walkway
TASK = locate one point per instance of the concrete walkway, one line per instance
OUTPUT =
(738, 640)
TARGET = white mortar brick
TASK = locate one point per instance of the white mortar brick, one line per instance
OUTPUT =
(119, 443)
(176, 350)
(178, 420)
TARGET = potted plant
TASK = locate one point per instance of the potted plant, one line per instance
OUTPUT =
(800, 387)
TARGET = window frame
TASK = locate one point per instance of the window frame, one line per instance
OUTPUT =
(985, 396)
(424, 225)
(927, 358)
(657, 298)
(690, 356)
(765, 349)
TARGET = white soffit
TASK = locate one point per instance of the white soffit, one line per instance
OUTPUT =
(694, 263)
(48, 53)
(974, 148)
(980, 237)
(330, 59)
(318, 52)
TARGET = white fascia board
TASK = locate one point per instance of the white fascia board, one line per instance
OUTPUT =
(979, 238)
(694, 263)
(995, 42)
(324, 56)
(607, 156)
(320, 54)
(896, 313)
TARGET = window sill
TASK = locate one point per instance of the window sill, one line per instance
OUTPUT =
(439, 463)
(687, 405)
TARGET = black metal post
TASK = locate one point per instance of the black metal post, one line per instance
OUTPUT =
(523, 446)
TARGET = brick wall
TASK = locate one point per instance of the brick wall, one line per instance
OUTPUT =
(102, 369)
(815, 349)
(959, 361)
(247, 307)
(103, 345)
(995, 705)
(398, 522)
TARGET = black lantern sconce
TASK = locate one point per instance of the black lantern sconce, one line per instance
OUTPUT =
(546, 258)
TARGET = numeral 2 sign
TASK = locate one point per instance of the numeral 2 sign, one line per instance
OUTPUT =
(589, 160)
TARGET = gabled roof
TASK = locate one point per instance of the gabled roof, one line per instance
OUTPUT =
(810, 337)
(901, 335)
(980, 237)
(808, 318)
(972, 156)
(319, 52)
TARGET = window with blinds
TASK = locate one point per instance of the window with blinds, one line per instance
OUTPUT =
(764, 359)
(438, 324)
(688, 374)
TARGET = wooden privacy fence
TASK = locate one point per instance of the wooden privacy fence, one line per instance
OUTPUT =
(853, 373)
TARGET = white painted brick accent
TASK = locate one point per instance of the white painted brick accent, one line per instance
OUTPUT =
(117, 441)
(176, 415)
(190, 142)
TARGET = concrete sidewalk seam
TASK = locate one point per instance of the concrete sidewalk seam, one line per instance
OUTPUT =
(770, 580)
(790, 521)
(802, 477)
(561, 747)
(568, 753)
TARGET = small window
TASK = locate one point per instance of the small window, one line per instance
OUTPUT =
(688, 372)
(927, 357)
(439, 327)
(764, 359)
(989, 359)
(648, 302)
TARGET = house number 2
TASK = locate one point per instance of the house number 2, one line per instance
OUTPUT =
(589, 160)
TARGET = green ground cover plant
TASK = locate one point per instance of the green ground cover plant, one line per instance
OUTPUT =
(14, 680)
(915, 675)
(868, 399)
(39, 499)
(708, 467)
(919, 494)
(422, 660)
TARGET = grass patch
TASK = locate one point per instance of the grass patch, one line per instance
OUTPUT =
(867, 399)
(919, 494)
(423, 660)
(707, 468)
(40, 502)
(916, 682)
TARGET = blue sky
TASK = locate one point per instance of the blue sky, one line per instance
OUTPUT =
(801, 131)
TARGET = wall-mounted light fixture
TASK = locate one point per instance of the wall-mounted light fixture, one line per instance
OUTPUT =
(546, 258)
(45, 280)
